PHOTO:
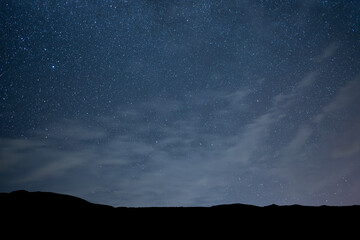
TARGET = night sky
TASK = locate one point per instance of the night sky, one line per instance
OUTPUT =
(181, 103)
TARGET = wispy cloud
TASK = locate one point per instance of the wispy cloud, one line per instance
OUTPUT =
(14, 151)
(327, 53)
(309, 79)
(294, 149)
(348, 95)
(319, 159)
(55, 166)
(172, 159)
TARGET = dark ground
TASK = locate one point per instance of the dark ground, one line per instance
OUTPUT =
(41, 211)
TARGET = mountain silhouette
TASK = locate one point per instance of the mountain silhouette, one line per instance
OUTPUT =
(23, 208)
(48, 201)
(45, 201)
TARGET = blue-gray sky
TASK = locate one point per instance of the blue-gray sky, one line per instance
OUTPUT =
(182, 103)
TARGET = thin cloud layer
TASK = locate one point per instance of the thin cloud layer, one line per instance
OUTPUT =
(184, 166)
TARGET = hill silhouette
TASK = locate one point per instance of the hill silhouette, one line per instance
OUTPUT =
(21, 208)
(46, 201)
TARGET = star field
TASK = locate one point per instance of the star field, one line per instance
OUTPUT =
(163, 103)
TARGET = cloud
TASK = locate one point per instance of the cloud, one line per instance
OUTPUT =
(348, 95)
(237, 97)
(256, 133)
(28, 160)
(49, 152)
(71, 130)
(295, 147)
(13, 151)
(308, 80)
(151, 162)
(283, 101)
(181, 162)
(170, 181)
(347, 151)
(319, 170)
(315, 159)
(327, 53)
(347, 145)
(55, 166)
(322, 156)
(248, 142)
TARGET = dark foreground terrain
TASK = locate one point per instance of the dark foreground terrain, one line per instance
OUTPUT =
(43, 209)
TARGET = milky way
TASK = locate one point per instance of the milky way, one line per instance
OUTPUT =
(181, 103)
